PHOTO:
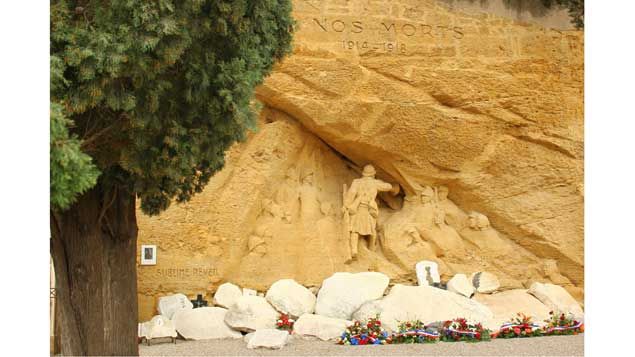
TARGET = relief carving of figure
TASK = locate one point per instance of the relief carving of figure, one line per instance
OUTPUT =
(309, 202)
(400, 234)
(287, 195)
(479, 232)
(427, 195)
(361, 207)
(320, 243)
(477, 221)
(257, 243)
(433, 227)
(270, 216)
(453, 214)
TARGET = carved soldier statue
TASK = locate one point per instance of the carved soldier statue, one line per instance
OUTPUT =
(360, 204)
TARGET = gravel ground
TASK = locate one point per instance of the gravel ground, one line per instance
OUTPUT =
(539, 346)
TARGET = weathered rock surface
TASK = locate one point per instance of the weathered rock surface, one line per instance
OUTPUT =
(343, 293)
(289, 297)
(427, 273)
(461, 285)
(485, 282)
(424, 303)
(250, 313)
(523, 165)
(488, 107)
(227, 294)
(268, 338)
(506, 304)
(556, 298)
(322, 327)
(169, 305)
(159, 326)
(204, 323)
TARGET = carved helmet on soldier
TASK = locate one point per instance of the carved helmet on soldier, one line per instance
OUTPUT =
(369, 171)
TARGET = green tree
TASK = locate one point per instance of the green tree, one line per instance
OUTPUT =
(146, 97)
(72, 171)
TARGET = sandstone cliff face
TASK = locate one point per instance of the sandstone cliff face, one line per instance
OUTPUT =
(488, 107)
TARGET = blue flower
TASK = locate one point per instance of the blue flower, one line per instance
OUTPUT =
(377, 342)
(385, 334)
(364, 336)
(354, 341)
(343, 335)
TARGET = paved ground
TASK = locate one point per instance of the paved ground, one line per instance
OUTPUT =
(539, 346)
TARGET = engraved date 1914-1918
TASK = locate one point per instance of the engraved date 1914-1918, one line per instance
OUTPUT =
(389, 47)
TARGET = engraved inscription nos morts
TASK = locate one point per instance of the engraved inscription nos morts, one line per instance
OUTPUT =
(408, 29)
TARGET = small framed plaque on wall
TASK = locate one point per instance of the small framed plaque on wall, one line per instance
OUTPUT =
(148, 254)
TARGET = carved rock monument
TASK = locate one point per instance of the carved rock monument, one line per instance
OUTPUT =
(477, 118)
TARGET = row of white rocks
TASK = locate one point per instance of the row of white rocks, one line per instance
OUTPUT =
(342, 298)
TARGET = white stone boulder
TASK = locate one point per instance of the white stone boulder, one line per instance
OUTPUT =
(427, 273)
(250, 313)
(204, 323)
(249, 292)
(506, 304)
(289, 297)
(159, 326)
(461, 285)
(322, 327)
(485, 282)
(170, 304)
(226, 295)
(268, 338)
(425, 303)
(343, 293)
(556, 298)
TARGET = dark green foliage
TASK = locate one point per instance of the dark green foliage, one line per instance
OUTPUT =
(159, 90)
(72, 171)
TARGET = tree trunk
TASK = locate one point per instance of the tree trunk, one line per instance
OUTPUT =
(93, 246)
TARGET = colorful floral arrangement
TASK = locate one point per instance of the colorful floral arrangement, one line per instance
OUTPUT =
(371, 332)
(559, 324)
(460, 330)
(414, 332)
(285, 323)
(520, 326)
(365, 333)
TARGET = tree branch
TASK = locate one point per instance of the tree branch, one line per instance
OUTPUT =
(105, 208)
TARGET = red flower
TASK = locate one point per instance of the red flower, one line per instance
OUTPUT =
(517, 330)
(528, 330)
(478, 336)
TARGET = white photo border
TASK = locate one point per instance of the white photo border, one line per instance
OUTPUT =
(152, 261)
